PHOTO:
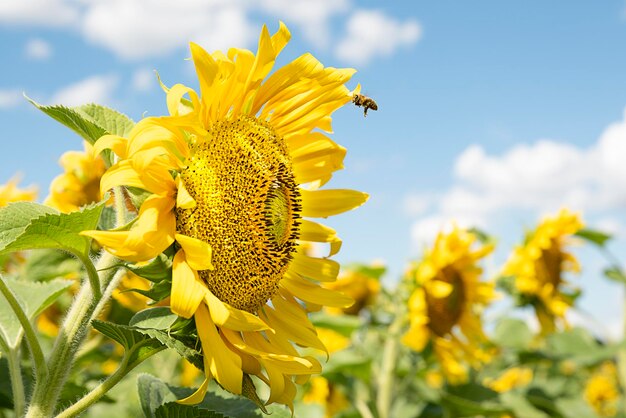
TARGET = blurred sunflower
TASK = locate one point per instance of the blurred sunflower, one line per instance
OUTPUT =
(326, 394)
(444, 308)
(10, 192)
(79, 184)
(231, 174)
(510, 379)
(539, 264)
(359, 286)
(602, 390)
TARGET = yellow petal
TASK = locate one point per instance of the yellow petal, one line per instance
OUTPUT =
(188, 290)
(316, 232)
(302, 336)
(324, 203)
(315, 294)
(197, 396)
(197, 252)
(438, 288)
(321, 269)
(228, 317)
(115, 143)
(416, 337)
(183, 198)
(219, 360)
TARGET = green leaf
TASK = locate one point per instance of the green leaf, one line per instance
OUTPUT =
(576, 341)
(343, 324)
(175, 410)
(33, 297)
(520, 406)
(375, 272)
(615, 274)
(350, 363)
(595, 237)
(110, 120)
(512, 333)
(31, 226)
(78, 122)
(574, 408)
(157, 270)
(138, 345)
(128, 335)
(153, 393)
(44, 265)
(472, 399)
(160, 318)
(16, 217)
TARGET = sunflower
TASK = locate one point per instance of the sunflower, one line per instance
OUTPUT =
(512, 378)
(444, 307)
(602, 390)
(231, 176)
(359, 286)
(9, 192)
(328, 395)
(79, 184)
(539, 264)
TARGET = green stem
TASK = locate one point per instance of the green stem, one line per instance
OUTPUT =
(92, 274)
(362, 399)
(72, 332)
(39, 363)
(17, 383)
(99, 391)
(386, 379)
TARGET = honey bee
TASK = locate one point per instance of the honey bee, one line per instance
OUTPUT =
(366, 102)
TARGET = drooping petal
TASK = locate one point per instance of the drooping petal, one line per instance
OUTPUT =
(187, 288)
(219, 360)
(197, 252)
(226, 316)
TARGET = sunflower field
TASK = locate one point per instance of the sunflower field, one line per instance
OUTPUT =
(180, 267)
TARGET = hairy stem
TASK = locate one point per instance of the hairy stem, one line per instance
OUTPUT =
(73, 330)
(17, 383)
(390, 355)
(39, 364)
(99, 391)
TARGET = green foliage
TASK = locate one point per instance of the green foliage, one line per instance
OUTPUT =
(90, 121)
(595, 237)
(512, 333)
(33, 298)
(155, 394)
(28, 226)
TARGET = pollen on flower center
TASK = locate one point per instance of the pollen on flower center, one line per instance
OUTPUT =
(444, 313)
(247, 209)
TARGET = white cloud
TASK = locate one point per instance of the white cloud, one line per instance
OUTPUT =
(144, 79)
(38, 12)
(38, 49)
(94, 89)
(417, 204)
(10, 98)
(371, 33)
(540, 177)
(135, 30)
(312, 17)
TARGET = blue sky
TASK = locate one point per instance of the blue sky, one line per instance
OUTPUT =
(491, 113)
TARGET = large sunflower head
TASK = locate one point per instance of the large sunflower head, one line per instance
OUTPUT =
(233, 176)
(444, 309)
(539, 265)
(79, 184)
